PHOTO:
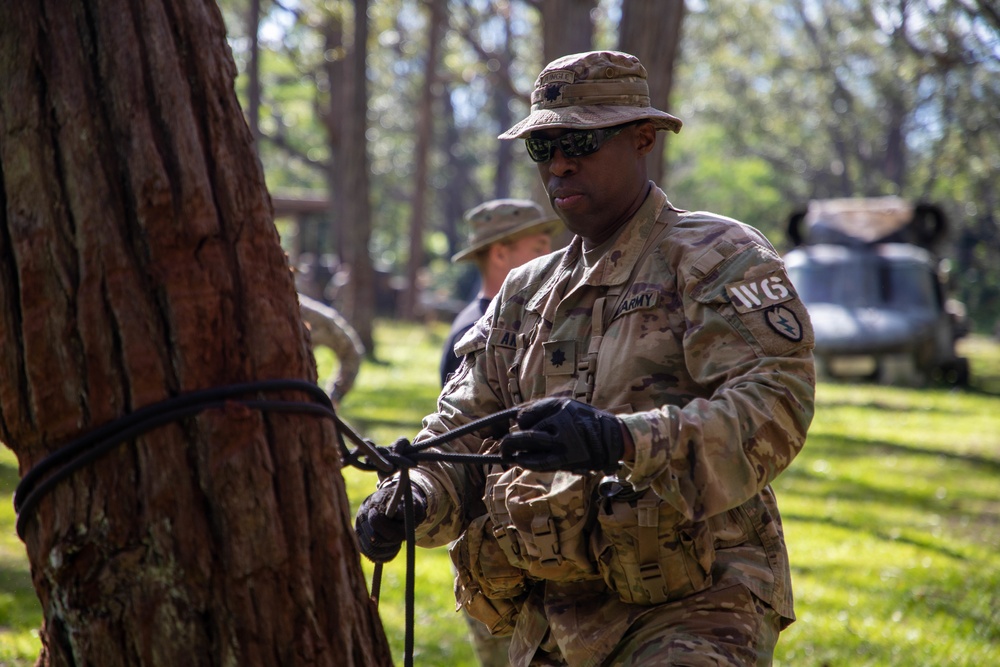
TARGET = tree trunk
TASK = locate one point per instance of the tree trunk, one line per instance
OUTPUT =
(424, 138)
(502, 94)
(651, 31)
(253, 72)
(460, 192)
(567, 27)
(333, 116)
(359, 302)
(140, 262)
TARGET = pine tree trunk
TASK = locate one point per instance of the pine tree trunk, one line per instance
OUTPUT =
(359, 301)
(424, 131)
(139, 261)
(566, 27)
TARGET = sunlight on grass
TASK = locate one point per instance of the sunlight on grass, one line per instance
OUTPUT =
(892, 518)
(20, 612)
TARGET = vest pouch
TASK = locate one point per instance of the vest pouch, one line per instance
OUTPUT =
(541, 522)
(649, 553)
(487, 586)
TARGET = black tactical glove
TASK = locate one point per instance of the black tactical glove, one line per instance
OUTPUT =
(564, 434)
(381, 529)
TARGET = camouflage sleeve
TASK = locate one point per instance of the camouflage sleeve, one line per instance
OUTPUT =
(328, 327)
(749, 342)
(454, 491)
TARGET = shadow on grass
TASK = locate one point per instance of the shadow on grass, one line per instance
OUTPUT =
(851, 446)
(863, 526)
(897, 408)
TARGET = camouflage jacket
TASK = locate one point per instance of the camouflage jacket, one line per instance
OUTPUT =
(706, 355)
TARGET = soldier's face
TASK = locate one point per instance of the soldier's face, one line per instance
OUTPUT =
(595, 194)
(526, 249)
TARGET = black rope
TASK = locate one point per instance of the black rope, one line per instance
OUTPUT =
(400, 457)
(406, 456)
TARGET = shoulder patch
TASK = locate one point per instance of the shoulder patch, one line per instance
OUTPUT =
(750, 295)
(784, 322)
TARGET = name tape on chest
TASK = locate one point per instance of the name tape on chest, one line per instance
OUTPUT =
(750, 295)
(503, 338)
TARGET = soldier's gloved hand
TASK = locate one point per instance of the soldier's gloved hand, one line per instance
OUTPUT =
(564, 434)
(381, 529)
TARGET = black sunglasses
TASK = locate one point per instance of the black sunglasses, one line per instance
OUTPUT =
(572, 144)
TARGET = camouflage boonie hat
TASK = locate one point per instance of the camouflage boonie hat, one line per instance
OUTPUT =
(502, 220)
(591, 90)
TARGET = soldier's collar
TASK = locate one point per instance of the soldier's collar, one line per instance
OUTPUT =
(615, 265)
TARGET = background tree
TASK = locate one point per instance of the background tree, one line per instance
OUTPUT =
(140, 262)
(844, 99)
(651, 31)
(359, 304)
(424, 137)
(567, 26)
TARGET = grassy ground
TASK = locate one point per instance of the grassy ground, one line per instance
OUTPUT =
(892, 518)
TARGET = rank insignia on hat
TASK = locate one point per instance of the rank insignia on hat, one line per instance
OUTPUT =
(553, 91)
(784, 322)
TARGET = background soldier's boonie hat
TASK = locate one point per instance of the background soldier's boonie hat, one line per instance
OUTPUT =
(503, 219)
(591, 90)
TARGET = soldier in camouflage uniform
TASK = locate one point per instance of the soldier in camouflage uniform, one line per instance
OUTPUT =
(503, 234)
(664, 364)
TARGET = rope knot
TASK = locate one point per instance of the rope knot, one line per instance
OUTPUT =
(400, 453)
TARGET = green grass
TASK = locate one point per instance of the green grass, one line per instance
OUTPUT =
(892, 517)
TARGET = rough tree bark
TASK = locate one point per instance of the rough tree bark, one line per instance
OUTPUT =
(138, 261)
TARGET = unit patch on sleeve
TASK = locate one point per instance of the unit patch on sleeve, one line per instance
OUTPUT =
(776, 322)
(784, 322)
(750, 295)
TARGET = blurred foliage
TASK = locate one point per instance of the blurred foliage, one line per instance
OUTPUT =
(783, 101)
(841, 99)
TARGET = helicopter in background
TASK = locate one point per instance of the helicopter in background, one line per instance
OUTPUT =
(876, 291)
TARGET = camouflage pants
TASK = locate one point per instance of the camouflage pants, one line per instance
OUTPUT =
(725, 628)
(490, 651)
(730, 627)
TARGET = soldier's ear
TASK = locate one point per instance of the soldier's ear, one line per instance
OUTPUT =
(497, 254)
(645, 137)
